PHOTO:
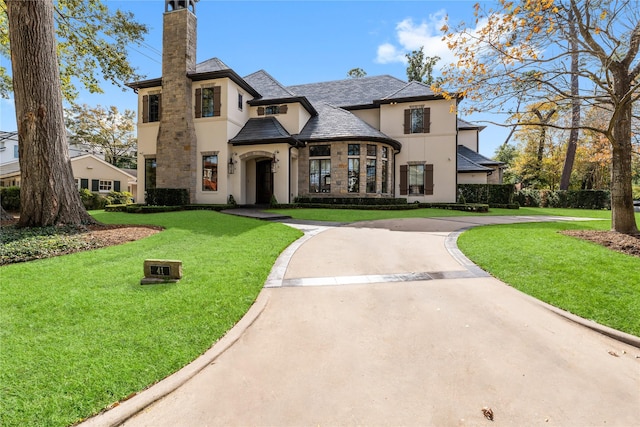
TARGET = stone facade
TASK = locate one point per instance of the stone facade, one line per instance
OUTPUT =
(340, 170)
(176, 154)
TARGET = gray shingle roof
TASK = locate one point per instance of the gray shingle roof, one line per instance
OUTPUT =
(477, 157)
(263, 130)
(334, 123)
(350, 92)
(463, 124)
(466, 165)
(211, 65)
(410, 90)
(268, 87)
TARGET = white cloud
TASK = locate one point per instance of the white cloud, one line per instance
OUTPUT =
(411, 36)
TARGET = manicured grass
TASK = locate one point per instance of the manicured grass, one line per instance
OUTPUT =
(78, 332)
(578, 276)
(352, 215)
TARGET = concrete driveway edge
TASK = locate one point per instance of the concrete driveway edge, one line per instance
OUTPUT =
(126, 409)
(451, 244)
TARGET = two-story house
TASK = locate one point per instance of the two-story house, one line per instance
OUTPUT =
(204, 128)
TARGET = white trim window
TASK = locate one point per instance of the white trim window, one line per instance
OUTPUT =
(104, 186)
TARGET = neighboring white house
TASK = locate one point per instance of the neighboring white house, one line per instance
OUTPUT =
(89, 172)
(204, 128)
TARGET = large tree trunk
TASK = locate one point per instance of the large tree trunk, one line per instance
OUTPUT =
(622, 215)
(565, 180)
(48, 195)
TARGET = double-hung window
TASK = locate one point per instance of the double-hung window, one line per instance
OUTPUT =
(416, 179)
(385, 169)
(417, 119)
(151, 107)
(150, 173)
(208, 101)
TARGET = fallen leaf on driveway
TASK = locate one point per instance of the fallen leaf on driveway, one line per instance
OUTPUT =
(488, 413)
(613, 353)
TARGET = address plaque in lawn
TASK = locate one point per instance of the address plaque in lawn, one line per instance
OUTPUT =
(161, 271)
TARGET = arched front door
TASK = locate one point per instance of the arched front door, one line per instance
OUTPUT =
(264, 182)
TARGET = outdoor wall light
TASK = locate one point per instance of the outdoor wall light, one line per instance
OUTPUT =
(274, 162)
(232, 166)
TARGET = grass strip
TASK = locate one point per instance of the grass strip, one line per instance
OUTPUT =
(581, 277)
(353, 215)
(78, 332)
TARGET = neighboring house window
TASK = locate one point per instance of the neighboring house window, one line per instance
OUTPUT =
(354, 168)
(105, 186)
(417, 120)
(320, 169)
(151, 107)
(16, 152)
(385, 169)
(371, 168)
(150, 174)
(416, 179)
(208, 102)
(77, 181)
(84, 183)
(210, 173)
(272, 109)
(240, 102)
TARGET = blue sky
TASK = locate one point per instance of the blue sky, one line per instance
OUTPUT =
(297, 42)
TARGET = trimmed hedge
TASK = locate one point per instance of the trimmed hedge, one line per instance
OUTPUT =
(577, 199)
(167, 197)
(10, 198)
(353, 201)
(492, 194)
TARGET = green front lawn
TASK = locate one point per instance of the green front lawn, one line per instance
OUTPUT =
(78, 332)
(352, 215)
(581, 277)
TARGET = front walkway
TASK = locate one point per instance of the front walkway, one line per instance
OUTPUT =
(331, 342)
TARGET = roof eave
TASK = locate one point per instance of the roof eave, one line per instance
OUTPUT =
(291, 141)
(408, 99)
(270, 101)
(395, 144)
(144, 84)
(210, 75)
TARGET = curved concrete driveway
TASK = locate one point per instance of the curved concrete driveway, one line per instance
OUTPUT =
(377, 324)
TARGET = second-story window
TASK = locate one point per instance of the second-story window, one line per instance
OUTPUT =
(151, 107)
(208, 103)
(272, 110)
(417, 119)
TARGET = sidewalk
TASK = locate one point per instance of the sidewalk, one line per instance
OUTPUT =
(332, 340)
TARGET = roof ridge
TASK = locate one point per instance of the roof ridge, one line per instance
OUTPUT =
(349, 79)
(265, 72)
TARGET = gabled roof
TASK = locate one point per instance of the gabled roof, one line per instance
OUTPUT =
(10, 168)
(268, 87)
(477, 157)
(211, 65)
(465, 125)
(263, 130)
(334, 123)
(350, 93)
(409, 92)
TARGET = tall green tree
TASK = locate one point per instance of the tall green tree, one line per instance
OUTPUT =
(356, 73)
(92, 46)
(526, 41)
(420, 67)
(27, 31)
(104, 130)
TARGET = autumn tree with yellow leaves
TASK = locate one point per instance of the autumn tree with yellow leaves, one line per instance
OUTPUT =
(522, 50)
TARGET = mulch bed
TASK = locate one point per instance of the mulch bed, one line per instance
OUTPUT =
(625, 243)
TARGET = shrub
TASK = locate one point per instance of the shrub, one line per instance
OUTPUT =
(528, 197)
(577, 199)
(119, 198)
(92, 200)
(486, 193)
(167, 197)
(10, 198)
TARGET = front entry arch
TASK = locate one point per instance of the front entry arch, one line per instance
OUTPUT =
(264, 182)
